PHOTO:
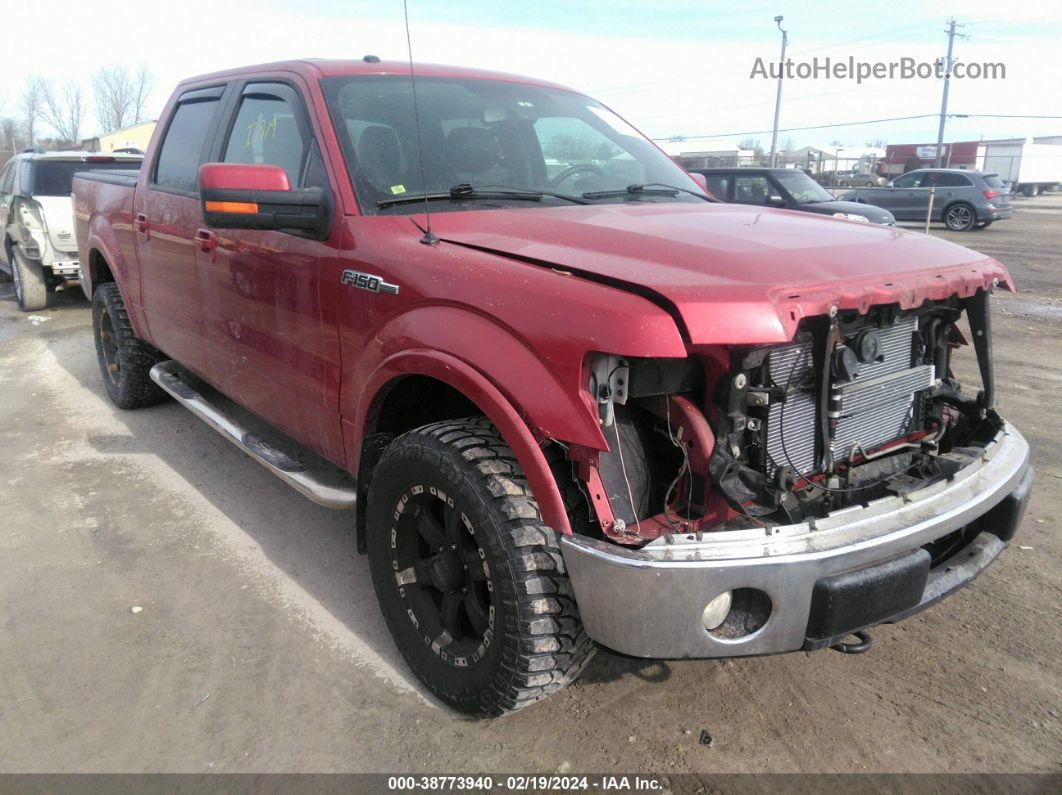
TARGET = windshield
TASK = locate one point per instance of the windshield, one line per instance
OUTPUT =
(55, 177)
(489, 134)
(802, 188)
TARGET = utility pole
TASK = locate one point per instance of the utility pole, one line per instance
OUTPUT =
(947, 83)
(778, 96)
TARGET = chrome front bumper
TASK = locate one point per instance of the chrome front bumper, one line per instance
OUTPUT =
(649, 602)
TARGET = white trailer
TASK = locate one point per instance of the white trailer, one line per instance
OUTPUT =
(1028, 167)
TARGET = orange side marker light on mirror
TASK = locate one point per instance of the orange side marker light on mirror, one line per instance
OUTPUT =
(232, 207)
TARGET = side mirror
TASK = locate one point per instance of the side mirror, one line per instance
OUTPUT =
(775, 201)
(701, 180)
(259, 196)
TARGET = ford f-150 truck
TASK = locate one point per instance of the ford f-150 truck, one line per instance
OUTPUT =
(569, 398)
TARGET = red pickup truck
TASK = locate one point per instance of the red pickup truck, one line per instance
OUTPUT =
(569, 397)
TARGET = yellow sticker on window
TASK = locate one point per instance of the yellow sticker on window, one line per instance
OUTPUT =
(397, 189)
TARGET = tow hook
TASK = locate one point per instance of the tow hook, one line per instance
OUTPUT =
(864, 644)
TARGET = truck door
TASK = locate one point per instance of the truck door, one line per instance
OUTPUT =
(270, 314)
(166, 214)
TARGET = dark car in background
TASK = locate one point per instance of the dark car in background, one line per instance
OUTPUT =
(962, 199)
(789, 188)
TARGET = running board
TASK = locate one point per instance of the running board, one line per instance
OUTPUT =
(325, 483)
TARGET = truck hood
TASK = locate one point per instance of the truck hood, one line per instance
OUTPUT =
(58, 214)
(730, 273)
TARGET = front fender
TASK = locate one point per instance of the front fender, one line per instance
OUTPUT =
(465, 378)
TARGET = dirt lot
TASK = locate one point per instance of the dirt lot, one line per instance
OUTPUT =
(259, 647)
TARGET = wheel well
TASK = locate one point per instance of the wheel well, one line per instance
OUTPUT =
(406, 403)
(99, 270)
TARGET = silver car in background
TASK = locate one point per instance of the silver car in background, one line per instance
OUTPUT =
(962, 199)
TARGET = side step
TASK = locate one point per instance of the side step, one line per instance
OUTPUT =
(303, 470)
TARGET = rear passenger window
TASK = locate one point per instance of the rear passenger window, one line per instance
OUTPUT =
(182, 149)
(953, 181)
(718, 186)
(266, 131)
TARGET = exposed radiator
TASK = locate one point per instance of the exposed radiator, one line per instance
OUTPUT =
(875, 407)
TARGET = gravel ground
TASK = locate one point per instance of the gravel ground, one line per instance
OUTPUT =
(167, 606)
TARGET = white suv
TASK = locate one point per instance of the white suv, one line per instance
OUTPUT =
(37, 219)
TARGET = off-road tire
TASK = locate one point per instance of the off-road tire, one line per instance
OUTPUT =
(537, 643)
(124, 360)
(31, 286)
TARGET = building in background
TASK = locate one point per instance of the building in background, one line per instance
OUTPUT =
(708, 154)
(1008, 157)
(831, 159)
(135, 137)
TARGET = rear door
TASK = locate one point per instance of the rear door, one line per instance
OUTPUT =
(166, 215)
(949, 187)
(270, 308)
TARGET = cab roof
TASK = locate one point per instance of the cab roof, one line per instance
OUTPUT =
(313, 69)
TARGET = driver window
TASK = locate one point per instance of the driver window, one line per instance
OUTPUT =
(908, 181)
(577, 154)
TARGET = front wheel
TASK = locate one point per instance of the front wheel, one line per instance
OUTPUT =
(471, 583)
(960, 217)
(31, 286)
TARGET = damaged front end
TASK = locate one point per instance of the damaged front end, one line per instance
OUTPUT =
(765, 498)
(856, 407)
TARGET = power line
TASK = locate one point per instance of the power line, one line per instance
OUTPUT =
(855, 124)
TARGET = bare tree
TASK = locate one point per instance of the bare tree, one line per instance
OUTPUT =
(65, 111)
(145, 81)
(31, 105)
(876, 143)
(120, 96)
(787, 145)
(11, 140)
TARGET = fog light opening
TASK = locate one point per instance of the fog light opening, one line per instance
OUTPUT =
(746, 613)
(716, 611)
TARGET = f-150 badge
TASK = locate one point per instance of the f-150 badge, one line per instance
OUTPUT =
(367, 281)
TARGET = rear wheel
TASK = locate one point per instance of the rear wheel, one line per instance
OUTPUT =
(960, 217)
(471, 583)
(125, 361)
(31, 287)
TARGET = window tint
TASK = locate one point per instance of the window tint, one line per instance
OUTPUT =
(56, 177)
(718, 186)
(993, 181)
(266, 131)
(182, 149)
(486, 132)
(751, 190)
(952, 181)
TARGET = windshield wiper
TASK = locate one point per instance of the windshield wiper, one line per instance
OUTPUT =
(648, 189)
(466, 192)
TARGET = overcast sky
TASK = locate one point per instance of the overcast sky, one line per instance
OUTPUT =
(672, 67)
